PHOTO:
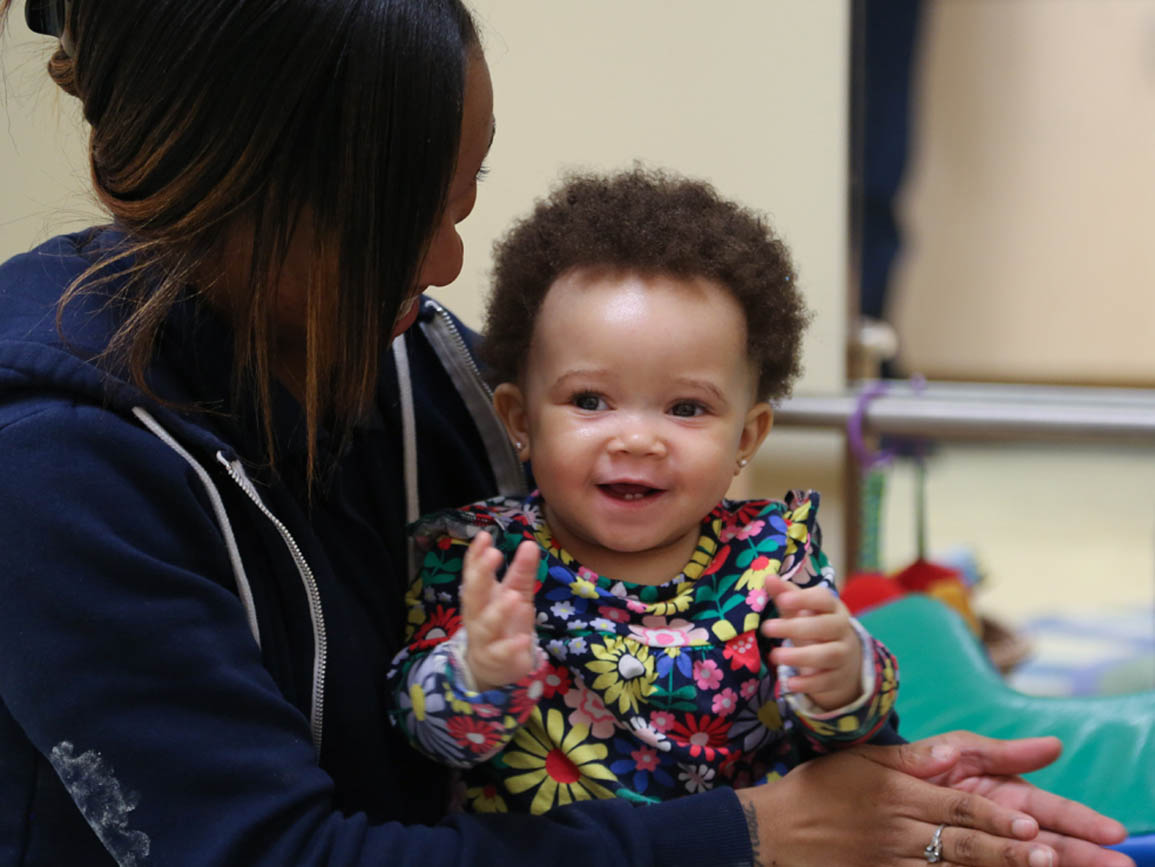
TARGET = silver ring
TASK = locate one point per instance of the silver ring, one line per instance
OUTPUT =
(933, 850)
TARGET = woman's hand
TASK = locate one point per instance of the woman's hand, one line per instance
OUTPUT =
(990, 767)
(498, 615)
(879, 807)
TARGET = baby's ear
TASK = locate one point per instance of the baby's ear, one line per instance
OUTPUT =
(509, 403)
(759, 420)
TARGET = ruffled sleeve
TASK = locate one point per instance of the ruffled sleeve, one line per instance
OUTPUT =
(435, 702)
(806, 565)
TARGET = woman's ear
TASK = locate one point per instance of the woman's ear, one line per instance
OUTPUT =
(509, 403)
(759, 420)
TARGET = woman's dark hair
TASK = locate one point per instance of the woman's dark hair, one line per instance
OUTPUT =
(651, 222)
(219, 120)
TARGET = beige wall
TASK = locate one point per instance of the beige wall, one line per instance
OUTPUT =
(748, 93)
(43, 168)
(1031, 202)
(751, 94)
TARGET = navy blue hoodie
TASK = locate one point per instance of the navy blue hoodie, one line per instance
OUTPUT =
(192, 653)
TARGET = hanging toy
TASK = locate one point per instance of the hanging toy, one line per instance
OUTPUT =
(867, 586)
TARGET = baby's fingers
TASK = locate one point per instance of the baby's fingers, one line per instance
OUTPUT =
(519, 614)
(819, 684)
(521, 576)
(494, 621)
(478, 576)
(513, 656)
(823, 655)
(823, 627)
(793, 601)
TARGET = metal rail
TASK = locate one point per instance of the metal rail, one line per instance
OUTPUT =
(975, 410)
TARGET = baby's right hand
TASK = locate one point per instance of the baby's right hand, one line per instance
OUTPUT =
(498, 616)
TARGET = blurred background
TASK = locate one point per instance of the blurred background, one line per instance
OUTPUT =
(975, 175)
(1003, 165)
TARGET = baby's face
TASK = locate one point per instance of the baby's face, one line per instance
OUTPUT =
(638, 401)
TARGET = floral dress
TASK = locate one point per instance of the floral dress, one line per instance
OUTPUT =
(642, 692)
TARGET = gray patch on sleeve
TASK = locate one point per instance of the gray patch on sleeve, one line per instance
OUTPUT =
(103, 804)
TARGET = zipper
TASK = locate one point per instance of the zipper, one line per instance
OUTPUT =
(312, 592)
(463, 352)
(461, 344)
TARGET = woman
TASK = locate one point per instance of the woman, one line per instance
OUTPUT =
(209, 447)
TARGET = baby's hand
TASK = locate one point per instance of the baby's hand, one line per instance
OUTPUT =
(498, 615)
(827, 652)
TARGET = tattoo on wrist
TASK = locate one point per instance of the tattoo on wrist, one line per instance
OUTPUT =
(752, 827)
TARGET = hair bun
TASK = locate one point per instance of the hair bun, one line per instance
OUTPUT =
(62, 68)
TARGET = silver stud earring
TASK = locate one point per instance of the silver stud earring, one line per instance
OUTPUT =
(743, 461)
(518, 445)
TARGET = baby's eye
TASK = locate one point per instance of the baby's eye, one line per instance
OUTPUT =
(588, 401)
(687, 409)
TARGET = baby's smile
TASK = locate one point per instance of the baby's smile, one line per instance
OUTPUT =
(628, 491)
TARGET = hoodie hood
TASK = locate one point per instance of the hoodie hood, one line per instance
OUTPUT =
(39, 357)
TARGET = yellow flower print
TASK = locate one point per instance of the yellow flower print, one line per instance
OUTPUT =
(770, 716)
(556, 762)
(584, 587)
(755, 577)
(417, 697)
(417, 613)
(457, 705)
(797, 533)
(625, 672)
(486, 799)
(799, 514)
(679, 603)
(821, 728)
(545, 538)
(703, 554)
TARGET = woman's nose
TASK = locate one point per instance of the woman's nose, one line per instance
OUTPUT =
(443, 260)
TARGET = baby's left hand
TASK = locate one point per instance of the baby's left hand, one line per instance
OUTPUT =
(827, 653)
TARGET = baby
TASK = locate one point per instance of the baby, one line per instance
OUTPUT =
(639, 325)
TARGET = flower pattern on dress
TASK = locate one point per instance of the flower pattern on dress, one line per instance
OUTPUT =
(625, 672)
(559, 766)
(644, 692)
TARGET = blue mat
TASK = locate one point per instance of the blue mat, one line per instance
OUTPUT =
(1141, 850)
(1092, 654)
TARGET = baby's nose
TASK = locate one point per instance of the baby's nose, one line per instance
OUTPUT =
(637, 437)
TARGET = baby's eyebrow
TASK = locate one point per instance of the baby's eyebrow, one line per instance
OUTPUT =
(583, 373)
(705, 385)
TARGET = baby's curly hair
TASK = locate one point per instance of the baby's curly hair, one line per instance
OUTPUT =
(648, 221)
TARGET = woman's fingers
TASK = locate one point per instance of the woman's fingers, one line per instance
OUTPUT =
(856, 808)
(1074, 852)
(965, 761)
(958, 808)
(978, 832)
(1075, 831)
(966, 846)
(989, 768)
(1054, 813)
(980, 755)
